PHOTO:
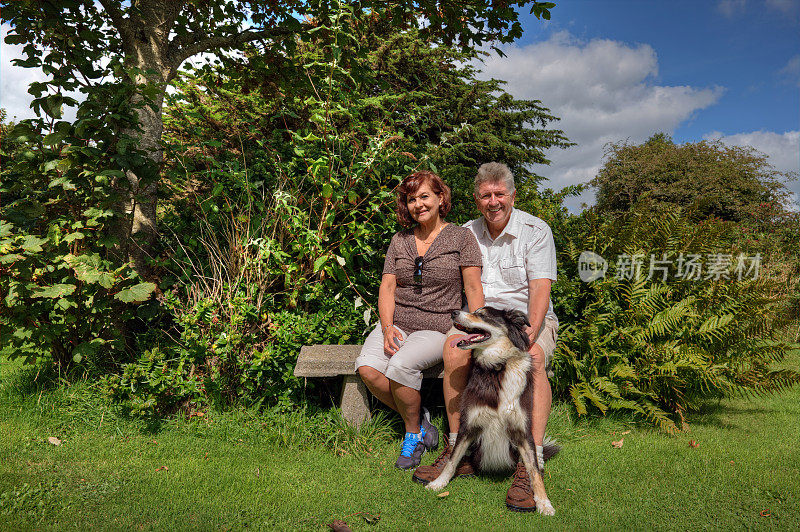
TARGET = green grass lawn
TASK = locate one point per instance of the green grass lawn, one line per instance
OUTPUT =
(241, 470)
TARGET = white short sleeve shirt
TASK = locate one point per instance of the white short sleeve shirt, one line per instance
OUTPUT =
(524, 250)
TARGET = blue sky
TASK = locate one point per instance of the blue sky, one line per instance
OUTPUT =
(743, 50)
(623, 70)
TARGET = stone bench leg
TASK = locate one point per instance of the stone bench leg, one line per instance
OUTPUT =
(355, 406)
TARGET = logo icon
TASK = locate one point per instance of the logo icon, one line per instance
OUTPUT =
(591, 266)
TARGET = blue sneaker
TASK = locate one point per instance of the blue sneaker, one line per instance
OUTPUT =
(431, 438)
(412, 451)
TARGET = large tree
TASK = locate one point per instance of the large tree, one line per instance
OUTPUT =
(123, 54)
(314, 141)
(708, 177)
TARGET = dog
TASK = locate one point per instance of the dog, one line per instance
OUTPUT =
(496, 404)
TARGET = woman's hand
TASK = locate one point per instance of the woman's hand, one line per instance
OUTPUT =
(391, 340)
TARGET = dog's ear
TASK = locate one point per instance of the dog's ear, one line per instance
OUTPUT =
(518, 318)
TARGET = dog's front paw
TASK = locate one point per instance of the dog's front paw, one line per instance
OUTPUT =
(436, 485)
(544, 507)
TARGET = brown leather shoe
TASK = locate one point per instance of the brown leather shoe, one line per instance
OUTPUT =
(520, 495)
(425, 474)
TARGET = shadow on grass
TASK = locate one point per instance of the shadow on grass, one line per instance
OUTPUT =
(19, 380)
(722, 415)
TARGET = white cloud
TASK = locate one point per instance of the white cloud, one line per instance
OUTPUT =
(603, 91)
(792, 70)
(787, 7)
(732, 8)
(782, 150)
(729, 8)
(14, 81)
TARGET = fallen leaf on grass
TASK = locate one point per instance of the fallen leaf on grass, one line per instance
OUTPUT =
(617, 444)
(443, 494)
(258, 472)
(765, 513)
(371, 519)
(693, 444)
(54, 440)
(339, 526)
(625, 432)
(162, 468)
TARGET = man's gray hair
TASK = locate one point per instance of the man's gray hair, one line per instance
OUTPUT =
(495, 173)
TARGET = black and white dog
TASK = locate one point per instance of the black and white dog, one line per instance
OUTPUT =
(496, 404)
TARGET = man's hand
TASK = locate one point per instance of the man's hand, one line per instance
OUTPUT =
(538, 302)
(532, 335)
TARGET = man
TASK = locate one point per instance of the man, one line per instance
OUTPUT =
(519, 265)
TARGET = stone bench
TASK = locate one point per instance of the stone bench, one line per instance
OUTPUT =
(335, 360)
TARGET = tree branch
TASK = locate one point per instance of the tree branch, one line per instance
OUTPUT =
(178, 53)
(118, 19)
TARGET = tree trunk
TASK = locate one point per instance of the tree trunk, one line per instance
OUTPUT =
(145, 43)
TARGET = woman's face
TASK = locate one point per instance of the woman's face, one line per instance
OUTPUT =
(423, 205)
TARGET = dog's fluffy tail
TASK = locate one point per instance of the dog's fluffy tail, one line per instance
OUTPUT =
(550, 448)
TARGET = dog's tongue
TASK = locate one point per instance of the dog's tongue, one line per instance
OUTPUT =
(467, 338)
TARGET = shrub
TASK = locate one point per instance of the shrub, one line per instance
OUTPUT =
(64, 296)
(222, 354)
(655, 347)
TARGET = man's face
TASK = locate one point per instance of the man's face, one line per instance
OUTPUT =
(495, 202)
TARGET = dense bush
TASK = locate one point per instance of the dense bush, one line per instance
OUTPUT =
(63, 293)
(223, 352)
(729, 182)
(659, 345)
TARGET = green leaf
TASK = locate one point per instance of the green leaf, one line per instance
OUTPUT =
(53, 105)
(87, 349)
(5, 229)
(55, 291)
(54, 138)
(11, 297)
(112, 173)
(319, 262)
(93, 212)
(88, 269)
(74, 236)
(33, 244)
(23, 333)
(8, 259)
(137, 293)
(62, 181)
(66, 304)
(327, 191)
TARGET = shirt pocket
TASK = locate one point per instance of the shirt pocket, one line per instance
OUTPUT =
(512, 271)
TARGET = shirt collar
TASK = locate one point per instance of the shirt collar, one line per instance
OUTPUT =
(511, 228)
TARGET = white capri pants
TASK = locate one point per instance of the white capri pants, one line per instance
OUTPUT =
(418, 351)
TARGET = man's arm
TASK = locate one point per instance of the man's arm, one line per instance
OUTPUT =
(473, 287)
(538, 303)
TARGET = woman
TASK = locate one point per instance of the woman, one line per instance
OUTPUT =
(426, 269)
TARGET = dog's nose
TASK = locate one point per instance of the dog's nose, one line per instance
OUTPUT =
(454, 314)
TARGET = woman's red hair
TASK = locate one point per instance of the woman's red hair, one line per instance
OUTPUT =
(411, 184)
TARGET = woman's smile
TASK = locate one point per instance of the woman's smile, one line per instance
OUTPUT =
(424, 204)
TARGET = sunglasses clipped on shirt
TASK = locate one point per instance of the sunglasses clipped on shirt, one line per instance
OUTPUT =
(418, 270)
